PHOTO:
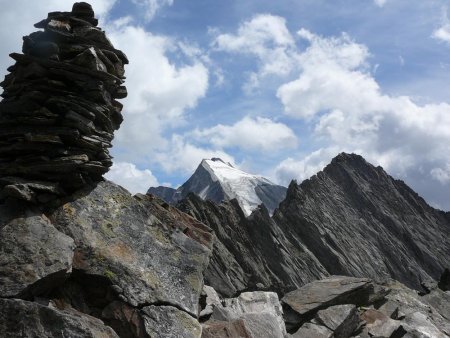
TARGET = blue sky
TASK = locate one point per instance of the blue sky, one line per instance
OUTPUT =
(276, 87)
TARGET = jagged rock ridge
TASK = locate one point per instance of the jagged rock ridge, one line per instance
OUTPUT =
(59, 112)
(359, 221)
(350, 219)
(217, 181)
(253, 252)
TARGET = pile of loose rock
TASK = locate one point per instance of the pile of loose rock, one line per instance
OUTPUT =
(59, 112)
(334, 307)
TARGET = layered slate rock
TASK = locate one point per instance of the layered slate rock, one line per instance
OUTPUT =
(341, 319)
(118, 237)
(251, 253)
(359, 221)
(34, 255)
(20, 318)
(59, 108)
(397, 312)
(252, 314)
(300, 304)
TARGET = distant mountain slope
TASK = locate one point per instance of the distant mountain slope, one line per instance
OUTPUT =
(359, 221)
(251, 252)
(350, 219)
(218, 181)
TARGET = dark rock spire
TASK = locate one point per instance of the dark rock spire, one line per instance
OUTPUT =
(59, 108)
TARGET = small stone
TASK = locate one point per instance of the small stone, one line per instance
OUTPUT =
(83, 9)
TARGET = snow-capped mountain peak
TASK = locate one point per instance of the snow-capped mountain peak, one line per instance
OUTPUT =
(216, 180)
(236, 183)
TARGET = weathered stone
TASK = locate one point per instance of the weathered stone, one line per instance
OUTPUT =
(251, 250)
(359, 221)
(26, 319)
(124, 319)
(82, 9)
(169, 322)
(341, 319)
(380, 325)
(211, 300)
(418, 324)
(323, 293)
(65, 78)
(440, 301)
(231, 329)
(118, 237)
(261, 313)
(310, 330)
(34, 256)
(444, 281)
(409, 302)
(89, 59)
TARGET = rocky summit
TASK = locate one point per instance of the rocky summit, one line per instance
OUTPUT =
(350, 252)
(59, 112)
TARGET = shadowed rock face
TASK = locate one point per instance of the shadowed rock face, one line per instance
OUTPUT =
(59, 112)
(350, 219)
(359, 221)
(251, 252)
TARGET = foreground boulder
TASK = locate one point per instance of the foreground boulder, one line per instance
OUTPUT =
(117, 237)
(300, 304)
(59, 112)
(390, 310)
(20, 318)
(133, 263)
(252, 314)
(34, 255)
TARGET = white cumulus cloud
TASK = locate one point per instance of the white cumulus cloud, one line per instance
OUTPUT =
(266, 37)
(131, 178)
(443, 32)
(159, 91)
(338, 97)
(261, 134)
(184, 156)
(380, 3)
(150, 7)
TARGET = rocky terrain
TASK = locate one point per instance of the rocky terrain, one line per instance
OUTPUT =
(350, 252)
(350, 219)
(59, 112)
(217, 181)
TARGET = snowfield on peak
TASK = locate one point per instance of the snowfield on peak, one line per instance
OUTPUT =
(218, 181)
(236, 183)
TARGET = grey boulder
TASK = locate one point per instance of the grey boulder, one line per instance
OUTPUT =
(118, 237)
(341, 319)
(169, 322)
(34, 255)
(24, 319)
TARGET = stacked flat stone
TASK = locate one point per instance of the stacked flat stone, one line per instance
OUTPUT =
(59, 112)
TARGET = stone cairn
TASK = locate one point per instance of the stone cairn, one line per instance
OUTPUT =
(59, 112)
